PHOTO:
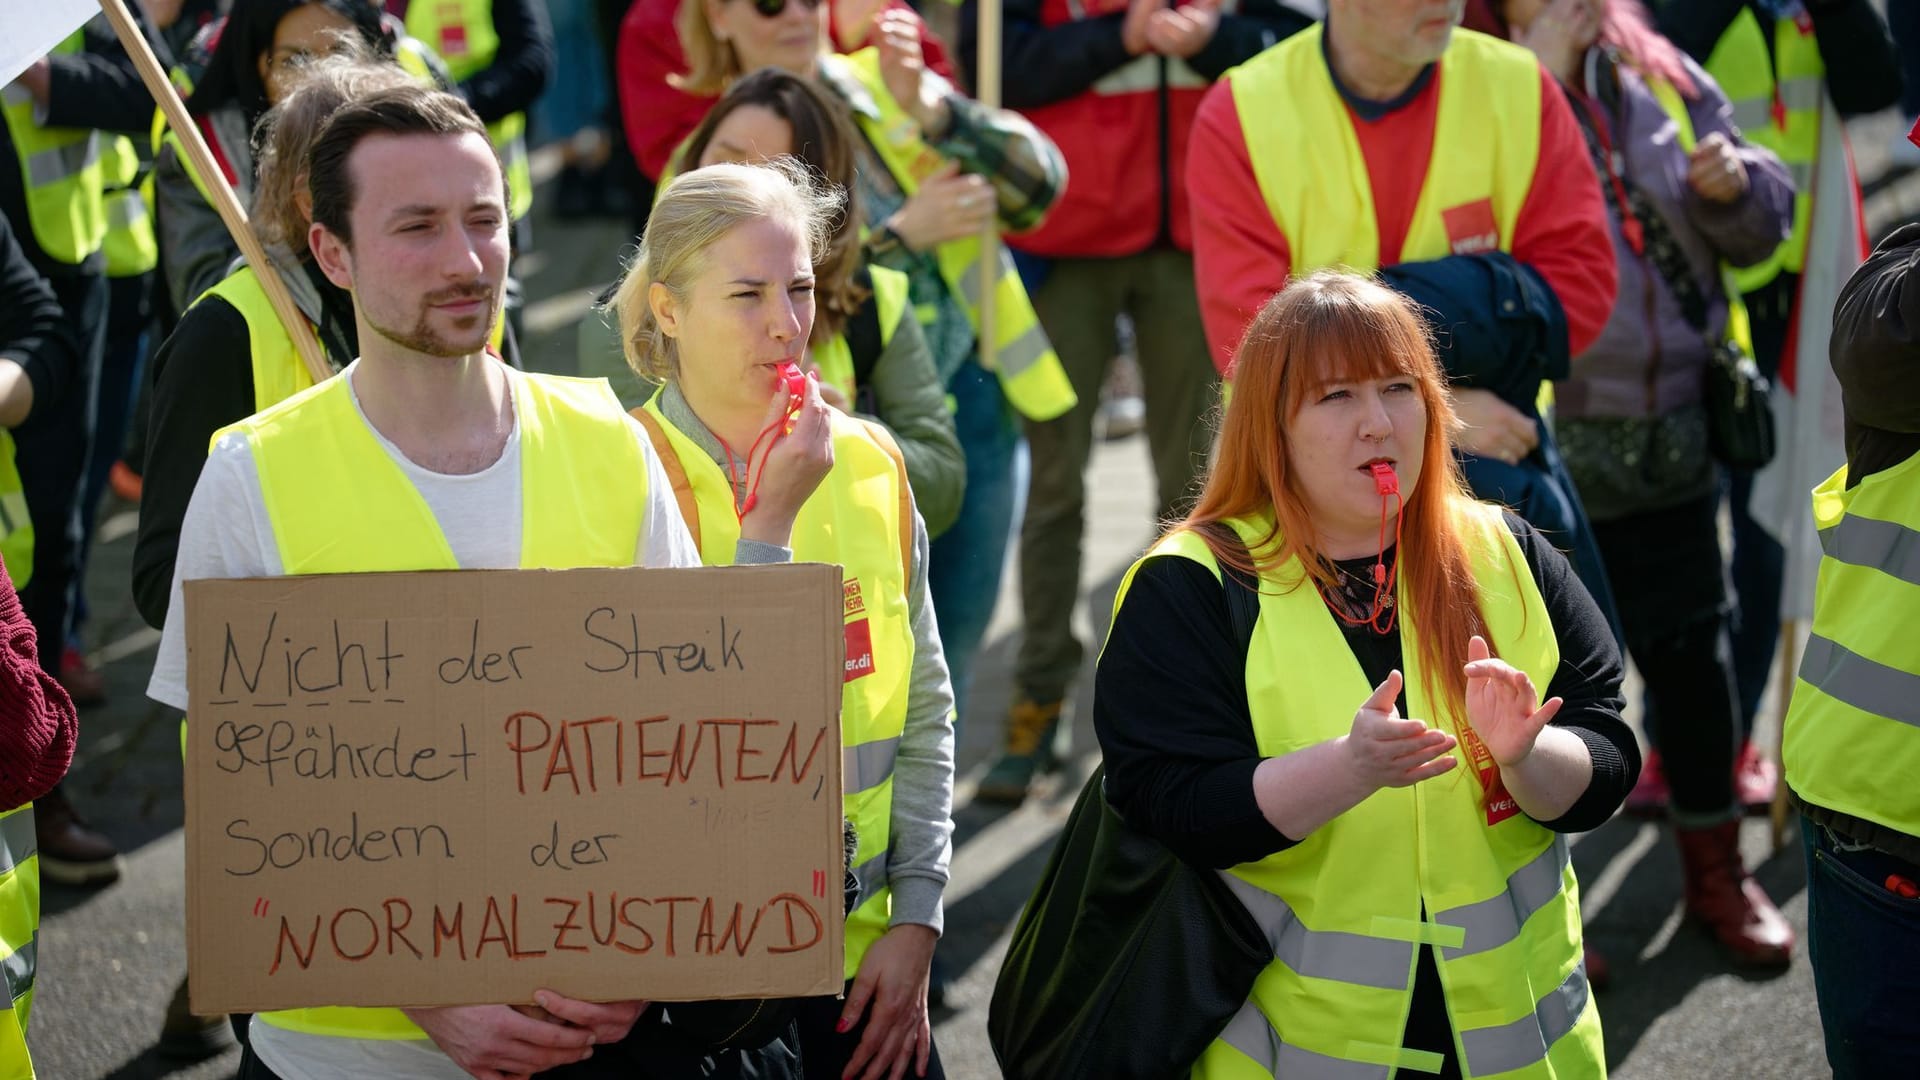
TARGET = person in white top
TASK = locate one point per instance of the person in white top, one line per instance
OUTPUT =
(409, 211)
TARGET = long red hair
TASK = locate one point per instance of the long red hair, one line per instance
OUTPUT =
(1339, 327)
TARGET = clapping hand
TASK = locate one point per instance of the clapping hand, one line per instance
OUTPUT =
(1387, 751)
(1501, 705)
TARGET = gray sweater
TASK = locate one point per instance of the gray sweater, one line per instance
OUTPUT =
(921, 841)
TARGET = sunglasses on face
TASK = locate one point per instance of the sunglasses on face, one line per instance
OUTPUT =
(772, 9)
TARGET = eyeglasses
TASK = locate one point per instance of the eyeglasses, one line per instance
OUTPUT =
(772, 9)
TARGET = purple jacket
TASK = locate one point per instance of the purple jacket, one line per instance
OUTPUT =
(1648, 361)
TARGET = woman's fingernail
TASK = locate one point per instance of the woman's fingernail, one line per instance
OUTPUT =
(845, 1025)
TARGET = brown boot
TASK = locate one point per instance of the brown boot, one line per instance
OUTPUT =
(1725, 899)
(72, 852)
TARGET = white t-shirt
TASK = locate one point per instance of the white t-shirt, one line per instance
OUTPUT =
(227, 534)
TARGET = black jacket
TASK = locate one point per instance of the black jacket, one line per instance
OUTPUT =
(1875, 349)
(33, 329)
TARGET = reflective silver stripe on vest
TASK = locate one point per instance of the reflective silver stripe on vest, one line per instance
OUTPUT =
(1867, 685)
(17, 843)
(1383, 963)
(1018, 356)
(872, 876)
(125, 209)
(1527, 1040)
(1802, 92)
(1251, 1034)
(17, 970)
(56, 163)
(1497, 920)
(13, 94)
(1886, 546)
(1752, 114)
(867, 765)
(1802, 174)
(1015, 357)
(1796, 94)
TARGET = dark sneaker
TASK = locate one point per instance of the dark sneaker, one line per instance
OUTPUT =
(71, 853)
(1031, 727)
(186, 1037)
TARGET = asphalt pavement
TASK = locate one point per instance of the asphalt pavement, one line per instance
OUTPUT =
(110, 958)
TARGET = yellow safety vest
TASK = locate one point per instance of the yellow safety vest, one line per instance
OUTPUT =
(278, 371)
(19, 936)
(60, 169)
(1344, 908)
(462, 32)
(1755, 77)
(1739, 328)
(834, 358)
(16, 525)
(1852, 736)
(339, 504)
(130, 246)
(862, 519)
(1029, 369)
(1486, 143)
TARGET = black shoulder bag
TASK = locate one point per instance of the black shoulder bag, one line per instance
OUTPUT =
(1127, 962)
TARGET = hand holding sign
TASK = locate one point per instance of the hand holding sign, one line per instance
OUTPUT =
(499, 1042)
(1500, 705)
(1387, 751)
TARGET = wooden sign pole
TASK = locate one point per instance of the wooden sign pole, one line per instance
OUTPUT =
(987, 89)
(224, 201)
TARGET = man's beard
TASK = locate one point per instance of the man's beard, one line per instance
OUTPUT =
(422, 338)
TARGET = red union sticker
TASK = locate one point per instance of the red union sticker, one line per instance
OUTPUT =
(859, 650)
(1500, 804)
(1470, 228)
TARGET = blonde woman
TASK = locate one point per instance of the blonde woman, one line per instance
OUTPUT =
(721, 298)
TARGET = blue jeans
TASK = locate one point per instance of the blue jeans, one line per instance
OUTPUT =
(578, 98)
(968, 560)
(1864, 941)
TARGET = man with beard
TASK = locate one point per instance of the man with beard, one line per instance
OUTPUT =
(422, 455)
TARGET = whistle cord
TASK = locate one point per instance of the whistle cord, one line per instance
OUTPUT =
(1384, 577)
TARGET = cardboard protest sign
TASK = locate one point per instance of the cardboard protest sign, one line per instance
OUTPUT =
(457, 788)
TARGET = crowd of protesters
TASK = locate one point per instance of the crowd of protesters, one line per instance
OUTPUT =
(1461, 252)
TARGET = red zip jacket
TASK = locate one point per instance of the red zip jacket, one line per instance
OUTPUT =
(1241, 258)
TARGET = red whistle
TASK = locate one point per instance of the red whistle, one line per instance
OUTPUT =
(1901, 886)
(796, 385)
(1385, 480)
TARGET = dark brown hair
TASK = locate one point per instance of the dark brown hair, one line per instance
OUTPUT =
(823, 141)
(401, 110)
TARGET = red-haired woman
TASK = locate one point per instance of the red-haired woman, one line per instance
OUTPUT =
(1327, 788)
